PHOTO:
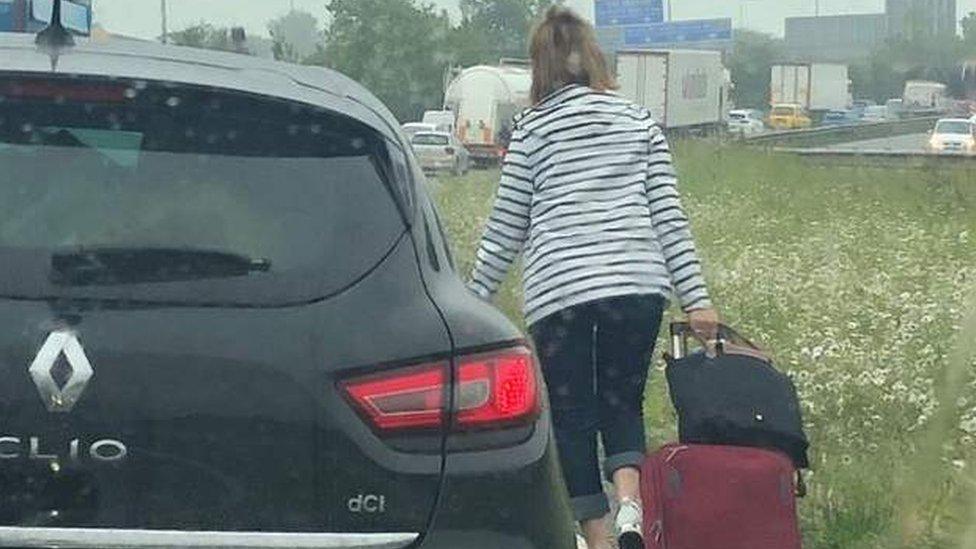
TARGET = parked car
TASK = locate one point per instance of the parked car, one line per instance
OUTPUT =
(895, 108)
(953, 136)
(788, 116)
(411, 129)
(443, 121)
(839, 118)
(440, 151)
(744, 122)
(229, 318)
(874, 113)
(858, 106)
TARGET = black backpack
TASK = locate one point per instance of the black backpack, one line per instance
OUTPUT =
(735, 398)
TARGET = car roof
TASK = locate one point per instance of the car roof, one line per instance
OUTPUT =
(437, 134)
(139, 60)
(419, 125)
(963, 120)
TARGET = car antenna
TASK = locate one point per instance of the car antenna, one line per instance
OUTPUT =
(54, 37)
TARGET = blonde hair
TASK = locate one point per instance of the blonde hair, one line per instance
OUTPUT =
(564, 51)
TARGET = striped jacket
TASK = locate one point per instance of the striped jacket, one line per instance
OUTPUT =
(588, 193)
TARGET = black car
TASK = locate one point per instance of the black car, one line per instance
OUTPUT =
(229, 318)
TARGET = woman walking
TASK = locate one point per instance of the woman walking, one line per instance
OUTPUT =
(588, 194)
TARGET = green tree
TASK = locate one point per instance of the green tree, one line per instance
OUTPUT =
(296, 36)
(492, 29)
(396, 48)
(203, 35)
(969, 32)
(754, 54)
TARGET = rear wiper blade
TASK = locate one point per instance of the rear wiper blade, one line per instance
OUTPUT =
(111, 265)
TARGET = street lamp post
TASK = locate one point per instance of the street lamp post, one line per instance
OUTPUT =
(162, 9)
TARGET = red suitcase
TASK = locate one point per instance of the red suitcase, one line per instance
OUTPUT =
(719, 497)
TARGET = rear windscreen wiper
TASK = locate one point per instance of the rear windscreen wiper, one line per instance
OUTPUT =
(108, 266)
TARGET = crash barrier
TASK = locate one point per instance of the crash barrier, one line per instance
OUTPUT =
(889, 159)
(818, 137)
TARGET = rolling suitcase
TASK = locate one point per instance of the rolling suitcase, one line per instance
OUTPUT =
(734, 484)
(719, 497)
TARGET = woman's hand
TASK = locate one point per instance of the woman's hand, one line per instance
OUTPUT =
(704, 322)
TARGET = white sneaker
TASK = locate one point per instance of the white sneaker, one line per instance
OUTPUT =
(628, 525)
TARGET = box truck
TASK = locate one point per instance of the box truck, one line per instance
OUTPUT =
(816, 87)
(685, 90)
(925, 98)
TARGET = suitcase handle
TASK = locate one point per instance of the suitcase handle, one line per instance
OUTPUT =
(729, 342)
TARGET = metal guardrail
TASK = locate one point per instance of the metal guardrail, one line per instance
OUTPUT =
(888, 159)
(818, 137)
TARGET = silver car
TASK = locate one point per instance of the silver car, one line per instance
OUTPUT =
(439, 152)
(744, 122)
(953, 136)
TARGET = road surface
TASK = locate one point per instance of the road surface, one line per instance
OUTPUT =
(908, 143)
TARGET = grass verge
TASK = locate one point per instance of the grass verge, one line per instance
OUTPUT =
(857, 280)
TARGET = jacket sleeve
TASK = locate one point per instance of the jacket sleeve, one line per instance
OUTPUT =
(672, 227)
(508, 225)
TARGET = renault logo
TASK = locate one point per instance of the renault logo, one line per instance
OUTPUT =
(61, 387)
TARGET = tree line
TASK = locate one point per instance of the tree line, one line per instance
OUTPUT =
(400, 49)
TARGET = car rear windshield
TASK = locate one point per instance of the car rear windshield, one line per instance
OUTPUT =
(738, 116)
(954, 127)
(430, 139)
(157, 192)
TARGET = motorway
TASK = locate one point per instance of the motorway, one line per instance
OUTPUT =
(901, 143)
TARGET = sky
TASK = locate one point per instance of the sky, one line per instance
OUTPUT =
(141, 18)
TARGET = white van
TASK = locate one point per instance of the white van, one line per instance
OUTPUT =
(443, 121)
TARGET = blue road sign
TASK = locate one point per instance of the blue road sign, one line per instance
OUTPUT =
(6, 16)
(74, 16)
(678, 32)
(628, 12)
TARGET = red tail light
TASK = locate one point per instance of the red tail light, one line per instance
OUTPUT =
(495, 389)
(405, 399)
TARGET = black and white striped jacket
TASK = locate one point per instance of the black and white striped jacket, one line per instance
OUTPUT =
(588, 193)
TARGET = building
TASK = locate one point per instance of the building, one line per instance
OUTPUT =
(835, 38)
(921, 18)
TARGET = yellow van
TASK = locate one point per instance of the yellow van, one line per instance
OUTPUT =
(787, 116)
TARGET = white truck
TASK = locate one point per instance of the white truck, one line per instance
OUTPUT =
(925, 98)
(817, 87)
(485, 99)
(685, 90)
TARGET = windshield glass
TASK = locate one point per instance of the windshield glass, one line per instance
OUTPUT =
(738, 116)
(430, 139)
(954, 127)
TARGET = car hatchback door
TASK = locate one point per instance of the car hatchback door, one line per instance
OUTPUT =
(211, 320)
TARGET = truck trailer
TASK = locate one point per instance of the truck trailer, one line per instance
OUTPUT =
(485, 99)
(816, 87)
(685, 90)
